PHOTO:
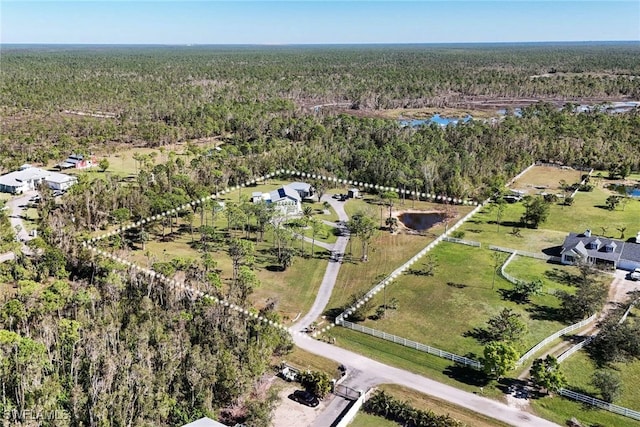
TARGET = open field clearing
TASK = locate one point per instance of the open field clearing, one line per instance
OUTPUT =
(546, 178)
(587, 212)
(444, 309)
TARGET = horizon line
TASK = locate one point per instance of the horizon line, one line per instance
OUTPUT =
(313, 44)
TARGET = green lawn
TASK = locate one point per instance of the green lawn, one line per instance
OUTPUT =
(553, 276)
(419, 362)
(579, 369)
(587, 212)
(386, 253)
(293, 290)
(30, 218)
(462, 283)
(560, 410)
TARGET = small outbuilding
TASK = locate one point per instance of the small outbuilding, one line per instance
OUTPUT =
(353, 193)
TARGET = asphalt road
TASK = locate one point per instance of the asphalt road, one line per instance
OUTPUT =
(16, 208)
(330, 274)
(367, 373)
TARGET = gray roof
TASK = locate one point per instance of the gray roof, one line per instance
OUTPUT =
(204, 422)
(60, 177)
(580, 244)
(300, 186)
(284, 192)
(631, 251)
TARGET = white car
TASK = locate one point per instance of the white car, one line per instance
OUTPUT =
(635, 275)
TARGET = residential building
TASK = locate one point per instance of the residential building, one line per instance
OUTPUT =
(304, 190)
(28, 178)
(601, 251)
(77, 161)
(287, 200)
(204, 422)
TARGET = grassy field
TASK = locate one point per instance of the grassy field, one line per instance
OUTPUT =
(462, 283)
(430, 366)
(579, 369)
(304, 360)
(587, 212)
(30, 217)
(386, 253)
(553, 276)
(561, 410)
(546, 176)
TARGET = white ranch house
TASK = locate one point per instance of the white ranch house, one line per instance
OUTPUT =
(28, 178)
(287, 199)
(597, 250)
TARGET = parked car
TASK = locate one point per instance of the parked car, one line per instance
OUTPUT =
(306, 398)
(635, 275)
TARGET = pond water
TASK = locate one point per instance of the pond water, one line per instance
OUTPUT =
(436, 118)
(633, 192)
(420, 221)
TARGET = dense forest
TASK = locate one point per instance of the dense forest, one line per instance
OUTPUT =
(96, 341)
(258, 100)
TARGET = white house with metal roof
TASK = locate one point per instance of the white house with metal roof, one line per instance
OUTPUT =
(204, 422)
(286, 199)
(28, 178)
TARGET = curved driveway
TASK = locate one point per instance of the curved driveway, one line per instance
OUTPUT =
(331, 273)
(366, 372)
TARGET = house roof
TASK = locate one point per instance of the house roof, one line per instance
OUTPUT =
(20, 177)
(300, 186)
(204, 422)
(579, 244)
(60, 178)
(284, 192)
(631, 251)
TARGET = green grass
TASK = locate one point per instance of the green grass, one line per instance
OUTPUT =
(553, 276)
(560, 410)
(421, 363)
(587, 212)
(462, 283)
(579, 369)
(293, 290)
(30, 217)
(366, 420)
(386, 253)
(301, 359)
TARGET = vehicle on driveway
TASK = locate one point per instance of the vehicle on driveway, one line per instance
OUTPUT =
(635, 275)
(304, 397)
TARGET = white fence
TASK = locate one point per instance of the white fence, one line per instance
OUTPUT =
(462, 241)
(507, 276)
(352, 412)
(523, 253)
(412, 344)
(400, 270)
(600, 403)
(558, 334)
(575, 348)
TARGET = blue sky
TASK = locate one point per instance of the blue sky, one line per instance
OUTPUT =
(302, 22)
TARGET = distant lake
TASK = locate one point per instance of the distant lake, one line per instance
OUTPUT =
(436, 118)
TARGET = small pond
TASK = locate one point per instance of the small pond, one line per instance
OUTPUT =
(420, 221)
(633, 192)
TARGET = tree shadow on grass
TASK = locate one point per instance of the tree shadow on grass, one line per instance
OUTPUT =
(482, 335)
(512, 295)
(543, 312)
(562, 276)
(274, 267)
(334, 312)
(467, 375)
